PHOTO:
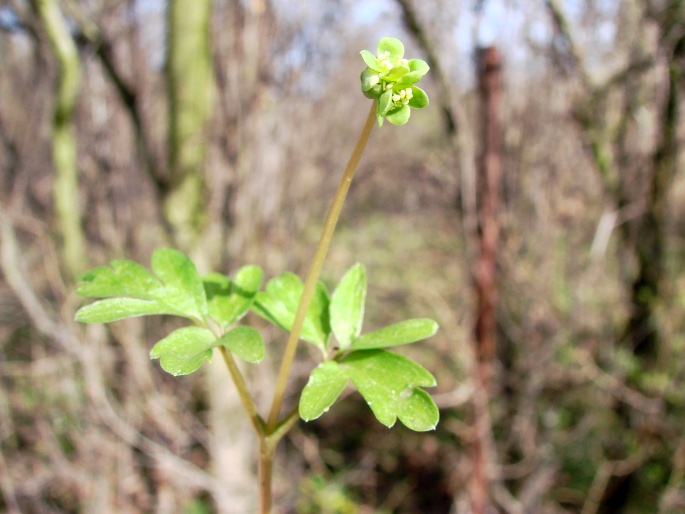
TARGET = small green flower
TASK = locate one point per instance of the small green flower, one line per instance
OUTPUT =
(389, 78)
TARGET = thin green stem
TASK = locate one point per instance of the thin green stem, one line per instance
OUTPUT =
(284, 427)
(267, 448)
(243, 392)
(315, 269)
(266, 463)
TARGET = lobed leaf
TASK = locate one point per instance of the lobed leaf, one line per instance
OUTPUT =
(279, 301)
(388, 383)
(404, 332)
(228, 301)
(120, 278)
(217, 291)
(114, 309)
(325, 384)
(347, 306)
(245, 342)
(418, 411)
(177, 289)
(183, 290)
(184, 350)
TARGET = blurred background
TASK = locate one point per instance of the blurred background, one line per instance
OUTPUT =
(537, 203)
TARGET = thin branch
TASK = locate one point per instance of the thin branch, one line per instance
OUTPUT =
(598, 487)
(103, 49)
(612, 384)
(417, 29)
(562, 26)
(669, 498)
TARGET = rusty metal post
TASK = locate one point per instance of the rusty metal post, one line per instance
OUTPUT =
(485, 272)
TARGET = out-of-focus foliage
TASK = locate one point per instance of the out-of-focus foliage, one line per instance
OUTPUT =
(581, 422)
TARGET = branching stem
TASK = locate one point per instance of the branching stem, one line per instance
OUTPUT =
(272, 432)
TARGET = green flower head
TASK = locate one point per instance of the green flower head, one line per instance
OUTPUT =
(389, 78)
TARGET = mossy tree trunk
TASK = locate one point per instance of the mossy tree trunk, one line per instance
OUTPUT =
(66, 194)
(190, 89)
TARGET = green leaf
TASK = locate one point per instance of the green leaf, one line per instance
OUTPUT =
(184, 350)
(399, 116)
(177, 289)
(113, 309)
(120, 278)
(420, 98)
(388, 383)
(404, 332)
(373, 93)
(325, 384)
(395, 73)
(217, 291)
(419, 66)
(347, 306)
(407, 80)
(371, 60)
(392, 45)
(245, 342)
(385, 103)
(183, 289)
(418, 411)
(228, 301)
(278, 304)
(369, 79)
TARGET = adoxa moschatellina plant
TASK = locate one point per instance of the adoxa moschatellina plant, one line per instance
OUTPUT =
(389, 79)
(215, 304)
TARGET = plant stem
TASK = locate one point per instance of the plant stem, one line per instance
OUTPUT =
(243, 392)
(266, 461)
(267, 448)
(315, 269)
(284, 426)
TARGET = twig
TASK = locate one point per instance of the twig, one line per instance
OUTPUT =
(669, 498)
(615, 386)
(599, 485)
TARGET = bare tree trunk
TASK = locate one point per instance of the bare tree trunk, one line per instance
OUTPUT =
(66, 194)
(485, 273)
